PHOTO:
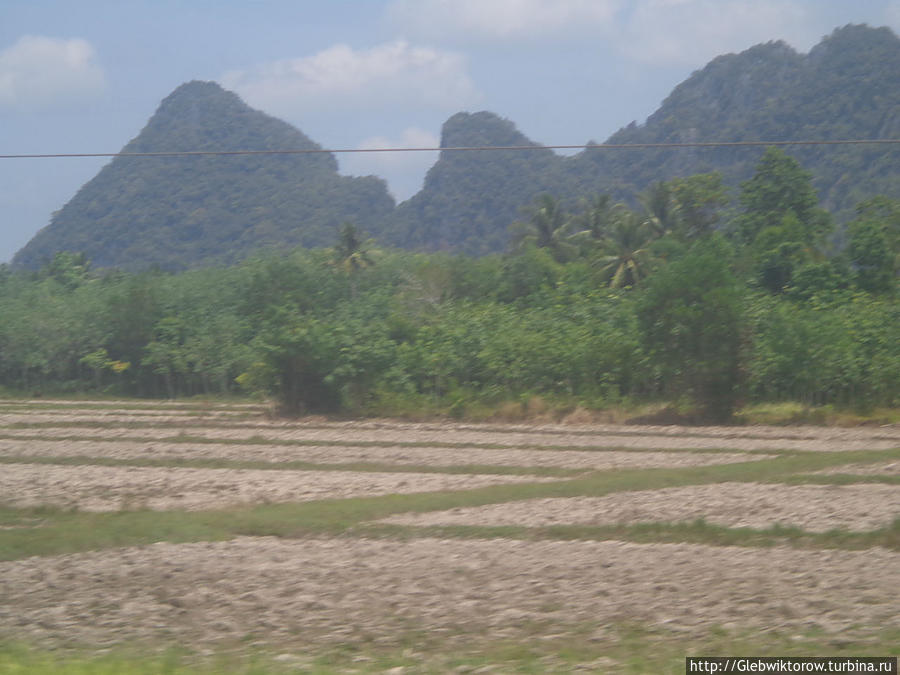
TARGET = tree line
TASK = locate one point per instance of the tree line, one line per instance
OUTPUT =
(687, 294)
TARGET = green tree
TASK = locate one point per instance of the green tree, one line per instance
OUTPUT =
(69, 270)
(661, 210)
(690, 316)
(166, 354)
(592, 223)
(548, 227)
(782, 222)
(351, 254)
(699, 201)
(531, 270)
(625, 256)
(872, 259)
(874, 244)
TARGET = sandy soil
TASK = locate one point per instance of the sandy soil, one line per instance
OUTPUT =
(115, 404)
(264, 590)
(745, 439)
(816, 508)
(329, 454)
(317, 591)
(106, 488)
(142, 416)
(875, 469)
(164, 411)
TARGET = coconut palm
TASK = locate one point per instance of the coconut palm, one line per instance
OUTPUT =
(547, 227)
(660, 207)
(594, 221)
(351, 255)
(626, 257)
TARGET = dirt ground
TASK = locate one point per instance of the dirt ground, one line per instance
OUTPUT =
(750, 438)
(495, 437)
(112, 488)
(259, 591)
(263, 590)
(815, 508)
(877, 469)
(401, 455)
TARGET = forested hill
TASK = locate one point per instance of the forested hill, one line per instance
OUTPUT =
(178, 213)
(181, 213)
(847, 87)
(470, 197)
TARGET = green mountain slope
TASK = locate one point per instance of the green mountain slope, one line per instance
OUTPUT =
(847, 87)
(469, 197)
(182, 213)
(178, 213)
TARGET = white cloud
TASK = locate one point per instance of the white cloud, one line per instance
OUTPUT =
(501, 19)
(656, 32)
(383, 77)
(40, 71)
(687, 32)
(403, 171)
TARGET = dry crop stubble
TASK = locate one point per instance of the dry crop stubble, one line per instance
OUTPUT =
(813, 508)
(341, 587)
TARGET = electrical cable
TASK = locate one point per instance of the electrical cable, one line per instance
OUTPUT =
(481, 148)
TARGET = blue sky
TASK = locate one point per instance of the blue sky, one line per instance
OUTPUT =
(85, 76)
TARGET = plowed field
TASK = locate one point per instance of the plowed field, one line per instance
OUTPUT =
(300, 535)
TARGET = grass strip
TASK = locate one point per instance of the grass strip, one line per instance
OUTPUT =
(27, 405)
(683, 432)
(840, 479)
(695, 532)
(64, 532)
(261, 440)
(366, 467)
(620, 648)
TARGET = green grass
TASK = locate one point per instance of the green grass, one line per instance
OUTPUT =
(589, 648)
(525, 409)
(63, 532)
(840, 479)
(257, 439)
(794, 412)
(622, 648)
(212, 463)
(696, 532)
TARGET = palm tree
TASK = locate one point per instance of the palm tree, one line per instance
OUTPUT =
(661, 208)
(351, 255)
(547, 227)
(626, 255)
(594, 220)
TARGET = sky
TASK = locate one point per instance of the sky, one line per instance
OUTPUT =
(82, 77)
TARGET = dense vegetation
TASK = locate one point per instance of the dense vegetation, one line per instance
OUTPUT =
(847, 86)
(189, 212)
(684, 298)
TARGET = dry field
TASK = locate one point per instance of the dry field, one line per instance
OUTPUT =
(215, 527)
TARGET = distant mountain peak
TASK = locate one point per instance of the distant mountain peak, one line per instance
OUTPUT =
(481, 128)
(191, 211)
(202, 115)
(184, 211)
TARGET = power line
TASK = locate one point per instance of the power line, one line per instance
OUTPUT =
(480, 148)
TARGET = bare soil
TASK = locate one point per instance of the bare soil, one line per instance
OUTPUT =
(265, 591)
(108, 488)
(400, 455)
(599, 436)
(815, 508)
(876, 469)
(319, 591)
